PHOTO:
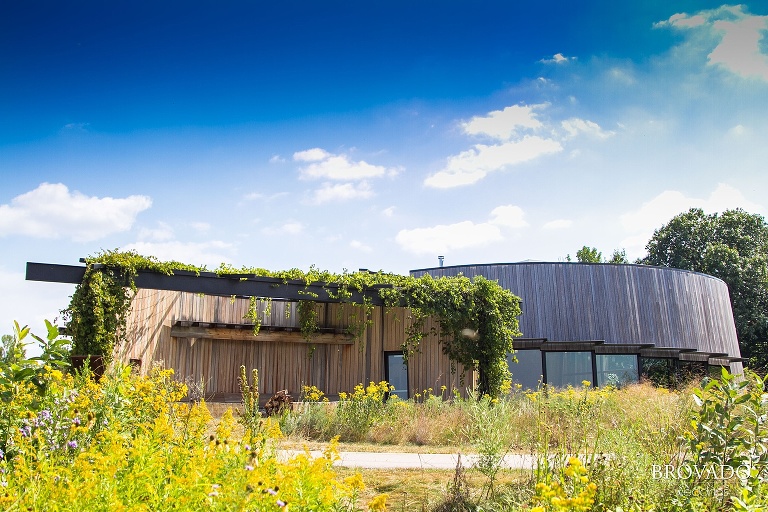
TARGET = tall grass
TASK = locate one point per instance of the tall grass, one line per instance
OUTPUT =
(597, 449)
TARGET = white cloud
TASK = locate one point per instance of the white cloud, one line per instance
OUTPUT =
(505, 124)
(509, 216)
(558, 224)
(443, 238)
(558, 58)
(276, 159)
(736, 36)
(161, 233)
(738, 131)
(461, 235)
(575, 126)
(52, 211)
(324, 165)
(360, 246)
(511, 129)
(471, 166)
(311, 155)
(342, 192)
(210, 254)
(388, 212)
(641, 223)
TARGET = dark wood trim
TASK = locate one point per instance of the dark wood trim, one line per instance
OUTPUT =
(209, 283)
(264, 336)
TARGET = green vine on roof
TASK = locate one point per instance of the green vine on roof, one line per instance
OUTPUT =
(98, 309)
(477, 318)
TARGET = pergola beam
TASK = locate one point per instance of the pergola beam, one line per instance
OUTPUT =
(209, 283)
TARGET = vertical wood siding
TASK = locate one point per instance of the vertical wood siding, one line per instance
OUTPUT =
(616, 303)
(282, 365)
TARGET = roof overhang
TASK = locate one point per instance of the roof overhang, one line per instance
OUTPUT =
(210, 283)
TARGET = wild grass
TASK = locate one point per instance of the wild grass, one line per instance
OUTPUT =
(613, 440)
(69, 442)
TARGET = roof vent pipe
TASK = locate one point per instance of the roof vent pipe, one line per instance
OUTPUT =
(441, 258)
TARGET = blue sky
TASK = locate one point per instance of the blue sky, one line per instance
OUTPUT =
(374, 135)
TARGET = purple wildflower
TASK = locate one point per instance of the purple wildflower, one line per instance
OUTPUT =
(72, 444)
(248, 467)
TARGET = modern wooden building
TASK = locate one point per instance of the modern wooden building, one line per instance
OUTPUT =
(205, 340)
(603, 323)
(613, 323)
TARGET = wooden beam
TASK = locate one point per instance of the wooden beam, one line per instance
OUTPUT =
(264, 336)
(209, 283)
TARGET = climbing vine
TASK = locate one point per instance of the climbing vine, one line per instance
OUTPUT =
(477, 318)
(95, 318)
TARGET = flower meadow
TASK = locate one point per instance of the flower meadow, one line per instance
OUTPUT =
(135, 442)
(127, 442)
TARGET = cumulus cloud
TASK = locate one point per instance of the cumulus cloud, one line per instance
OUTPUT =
(736, 36)
(52, 211)
(311, 155)
(161, 232)
(471, 166)
(320, 164)
(508, 216)
(342, 192)
(445, 237)
(641, 223)
(461, 235)
(210, 253)
(504, 124)
(558, 58)
(575, 126)
(517, 134)
(324, 165)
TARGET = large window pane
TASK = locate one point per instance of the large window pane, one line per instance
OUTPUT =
(527, 370)
(659, 370)
(397, 374)
(568, 368)
(616, 369)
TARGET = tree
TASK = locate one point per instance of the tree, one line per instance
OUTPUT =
(589, 255)
(11, 350)
(592, 255)
(734, 247)
(618, 256)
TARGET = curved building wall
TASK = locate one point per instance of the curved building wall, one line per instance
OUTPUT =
(618, 304)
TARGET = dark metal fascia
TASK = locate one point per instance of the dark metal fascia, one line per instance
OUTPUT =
(209, 283)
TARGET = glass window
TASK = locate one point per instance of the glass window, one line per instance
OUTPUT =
(569, 368)
(397, 374)
(659, 370)
(616, 369)
(527, 370)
